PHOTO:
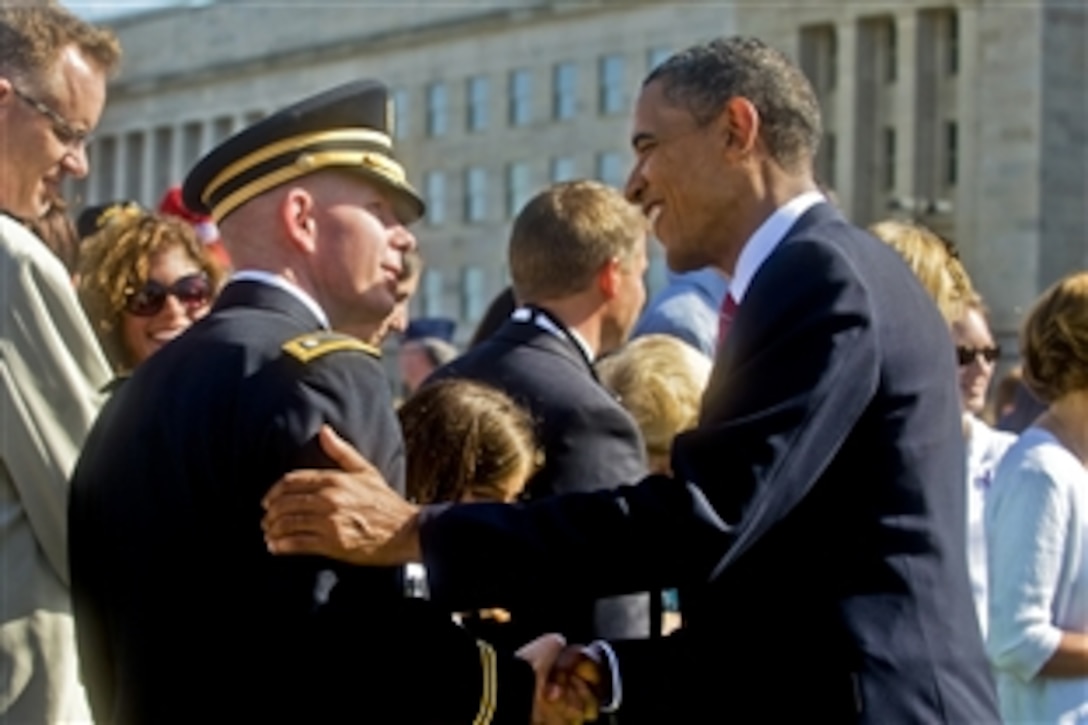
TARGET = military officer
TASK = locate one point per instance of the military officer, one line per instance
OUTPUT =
(182, 615)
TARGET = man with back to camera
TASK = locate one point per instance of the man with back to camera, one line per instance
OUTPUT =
(577, 257)
(182, 614)
(53, 72)
(815, 521)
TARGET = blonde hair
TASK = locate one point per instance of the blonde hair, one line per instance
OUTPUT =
(934, 261)
(566, 233)
(116, 259)
(1054, 340)
(660, 380)
(32, 36)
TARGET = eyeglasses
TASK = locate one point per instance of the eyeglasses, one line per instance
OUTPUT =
(967, 355)
(63, 129)
(192, 291)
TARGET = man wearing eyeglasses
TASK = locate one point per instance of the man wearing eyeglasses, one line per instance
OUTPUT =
(53, 72)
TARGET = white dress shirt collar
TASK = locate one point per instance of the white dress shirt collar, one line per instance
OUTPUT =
(526, 314)
(280, 282)
(766, 239)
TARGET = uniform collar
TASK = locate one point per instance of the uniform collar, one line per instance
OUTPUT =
(281, 282)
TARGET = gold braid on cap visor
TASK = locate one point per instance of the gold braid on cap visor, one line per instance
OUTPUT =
(348, 147)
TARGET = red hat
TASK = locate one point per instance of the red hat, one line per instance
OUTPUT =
(205, 228)
(172, 204)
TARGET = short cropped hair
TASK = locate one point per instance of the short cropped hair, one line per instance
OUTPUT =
(464, 439)
(660, 380)
(116, 260)
(566, 233)
(934, 261)
(1054, 340)
(33, 35)
(703, 78)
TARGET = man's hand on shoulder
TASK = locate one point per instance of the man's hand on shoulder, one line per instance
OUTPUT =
(349, 514)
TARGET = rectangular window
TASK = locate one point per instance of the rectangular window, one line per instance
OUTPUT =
(951, 153)
(562, 169)
(827, 161)
(433, 304)
(437, 110)
(475, 194)
(891, 62)
(610, 168)
(521, 97)
(473, 300)
(135, 148)
(105, 167)
(565, 91)
(222, 128)
(479, 100)
(192, 143)
(657, 56)
(611, 89)
(162, 168)
(953, 50)
(819, 56)
(401, 109)
(434, 191)
(518, 187)
(889, 159)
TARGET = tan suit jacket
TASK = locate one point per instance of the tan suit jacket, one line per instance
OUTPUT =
(51, 375)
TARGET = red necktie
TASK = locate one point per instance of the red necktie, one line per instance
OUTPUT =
(725, 318)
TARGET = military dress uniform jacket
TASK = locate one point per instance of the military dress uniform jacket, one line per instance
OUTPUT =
(182, 615)
(590, 442)
(51, 374)
(816, 523)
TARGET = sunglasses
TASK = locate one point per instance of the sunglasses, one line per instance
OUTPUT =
(192, 291)
(967, 355)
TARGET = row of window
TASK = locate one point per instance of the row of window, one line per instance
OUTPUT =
(520, 110)
(938, 29)
(519, 186)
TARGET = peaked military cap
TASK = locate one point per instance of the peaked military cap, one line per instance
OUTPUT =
(347, 127)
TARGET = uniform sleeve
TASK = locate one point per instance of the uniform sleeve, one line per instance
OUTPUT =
(801, 387)
(51, 375)
(1027, 525)
(412, 656)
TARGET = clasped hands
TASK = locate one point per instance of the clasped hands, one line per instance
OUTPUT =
(571, 682)
(353, 515)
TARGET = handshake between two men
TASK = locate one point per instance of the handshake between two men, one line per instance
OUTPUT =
(352, 515)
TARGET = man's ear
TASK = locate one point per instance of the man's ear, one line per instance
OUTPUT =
(608, 278)
(739, 123)
(296, 212)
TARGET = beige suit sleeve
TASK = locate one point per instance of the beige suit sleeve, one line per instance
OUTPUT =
(51, 375)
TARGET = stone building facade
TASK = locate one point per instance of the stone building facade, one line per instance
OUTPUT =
(969, 115)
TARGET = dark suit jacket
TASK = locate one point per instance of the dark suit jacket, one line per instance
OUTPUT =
(590, 443)
(181, 613)
(815, 526)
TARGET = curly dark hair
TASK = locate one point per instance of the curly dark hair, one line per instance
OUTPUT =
(116, 259)
(704, 77)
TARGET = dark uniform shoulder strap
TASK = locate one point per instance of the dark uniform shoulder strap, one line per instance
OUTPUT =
(312, 345)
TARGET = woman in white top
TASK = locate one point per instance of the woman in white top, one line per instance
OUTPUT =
(977, 353)
(1037, 525)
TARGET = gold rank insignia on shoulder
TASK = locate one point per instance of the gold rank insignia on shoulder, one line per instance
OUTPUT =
(313, 345)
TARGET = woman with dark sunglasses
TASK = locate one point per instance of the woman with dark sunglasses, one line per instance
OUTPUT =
(144, 279)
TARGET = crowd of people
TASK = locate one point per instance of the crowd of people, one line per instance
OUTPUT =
(783, 473)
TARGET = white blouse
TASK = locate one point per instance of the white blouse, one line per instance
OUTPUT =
(1037, 543)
